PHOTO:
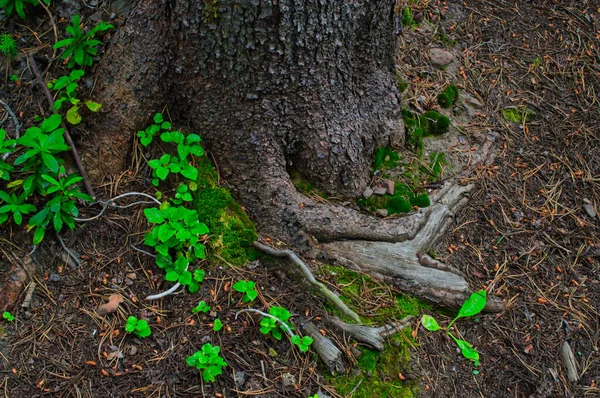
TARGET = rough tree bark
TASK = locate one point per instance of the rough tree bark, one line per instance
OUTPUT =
(276, 85)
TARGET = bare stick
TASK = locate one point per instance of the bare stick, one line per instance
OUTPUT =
(142, 251)
(76, 157)
(372, 336)
(110, 203)
(29, 295)
(166, 292)
(69, 251)
(321, 288)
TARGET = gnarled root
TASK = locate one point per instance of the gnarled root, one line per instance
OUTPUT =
(371, 336)
(327, 351)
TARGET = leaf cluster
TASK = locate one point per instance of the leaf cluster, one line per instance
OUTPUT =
(271, 326)
(201, 307)
(81, 46)
(472, 306)
(248, 288)
(139, 327)
(8, 316)
(67, 88)
(207, 361)
(18, 6)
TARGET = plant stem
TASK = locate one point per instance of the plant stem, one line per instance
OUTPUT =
(283, 324)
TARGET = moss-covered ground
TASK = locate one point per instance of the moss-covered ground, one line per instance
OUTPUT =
(381, 373)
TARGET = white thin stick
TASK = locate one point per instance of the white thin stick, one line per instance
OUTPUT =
(69, 252)
(283, 324)
(165, 293)
(110, 203)
(142, 251)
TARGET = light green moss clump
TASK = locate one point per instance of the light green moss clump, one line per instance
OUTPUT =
(518, 114)
(385, 159)
(449, 96)
(231, 230)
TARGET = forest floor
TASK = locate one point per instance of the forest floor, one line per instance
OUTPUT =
(530, 235)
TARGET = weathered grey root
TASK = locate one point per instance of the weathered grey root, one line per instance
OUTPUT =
(328, 352)
(372, 336)
(568, 360)
(404, 264)
(321, 288)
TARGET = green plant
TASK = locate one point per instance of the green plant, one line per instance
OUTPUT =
(146, 136)
(272, 326)
(69, 94)
(81, 47)
(8, 46)
(201, 307)
(218, 325)
(8, 316)
(61, 209)
(6, 146)
(18, 6)
(16, 206)
(139, 327)
(518, 114)
(472, 306)
(303, 343)
(207, 361)
(385, 158)
(248, 288)
(14, 78)
(449, 96)
(407, 19)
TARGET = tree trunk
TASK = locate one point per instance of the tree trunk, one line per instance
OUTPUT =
(274, 86)
(270, 85)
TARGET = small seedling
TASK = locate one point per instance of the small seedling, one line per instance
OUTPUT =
(207, 361)
(8, 46)
(201, 307)
(6, 146)
(272, 326)
(15, 205)
(69, 94)
(303, 343)
(473, 306)
(249, 290)
(18, 6)
(139, 327)
(218, 325)
(8, 316)
(80, 47)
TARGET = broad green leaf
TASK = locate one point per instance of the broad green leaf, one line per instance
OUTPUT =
(185, 278)
(51, 123)
(154, 215)
(172, 276)
(158, 118)
(190, 172)
(93, 106)
(76, 74)
(430, 323)
(73, 115)
(50, 162)
(467, 350)
(162, 172)
(38, 235)
(474, 304)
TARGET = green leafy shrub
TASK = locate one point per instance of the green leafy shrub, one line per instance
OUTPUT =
(449, 96)
(8, 316)
(139, 327)
(248, 288)
(472, 306)
(201, 307)
(271, 326)
(18, 6)
(15, 205)
(208, 362)
(67, 88)
(8, 46)
(81, 47)
(436, 122)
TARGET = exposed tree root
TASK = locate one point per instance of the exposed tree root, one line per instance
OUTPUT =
(306, 273)
(404, 264)
(328, 352)
(372, 336)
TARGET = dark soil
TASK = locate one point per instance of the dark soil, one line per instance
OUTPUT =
(525, 237)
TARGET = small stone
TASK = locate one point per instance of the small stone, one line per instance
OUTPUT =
(440, 57)
(289, 380)
(355, 351)
(589, 208)
(240, 378)
(367, 193)
(382, 212)
(418, 18)
(389, 186)
(380, 191)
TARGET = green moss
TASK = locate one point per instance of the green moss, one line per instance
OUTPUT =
(449, 96)
(407, 19)
(386, 158)
(421, 200)
(231, 230)
(400, 83)
(518, 114)
(436, 122)
(397, 205)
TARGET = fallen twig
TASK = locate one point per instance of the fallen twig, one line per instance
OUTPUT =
(321, 288)
(110, 203)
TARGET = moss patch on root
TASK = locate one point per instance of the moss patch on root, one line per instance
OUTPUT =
(380, 371)
(449, 96)
(231, 230)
